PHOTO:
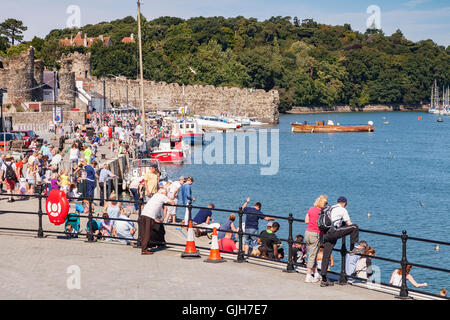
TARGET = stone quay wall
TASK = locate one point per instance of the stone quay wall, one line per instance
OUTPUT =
(46, 117)
(199, 99)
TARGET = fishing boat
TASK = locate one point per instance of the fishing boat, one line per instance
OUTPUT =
(171, 150)
(189, 130)
(330, 127)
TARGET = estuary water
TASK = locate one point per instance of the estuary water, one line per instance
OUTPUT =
(399, 174)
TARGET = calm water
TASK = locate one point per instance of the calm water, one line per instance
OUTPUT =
(400, 174)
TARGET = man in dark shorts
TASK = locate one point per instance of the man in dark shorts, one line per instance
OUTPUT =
(253, 215)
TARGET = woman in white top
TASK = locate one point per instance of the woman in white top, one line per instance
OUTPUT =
(364, 264)
(396, 278)
(74, 154)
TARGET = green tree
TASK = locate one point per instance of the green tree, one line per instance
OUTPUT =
(13, 29)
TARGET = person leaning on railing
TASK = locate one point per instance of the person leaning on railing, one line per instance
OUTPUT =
(396, 278)
(312, 238)
(253, 215)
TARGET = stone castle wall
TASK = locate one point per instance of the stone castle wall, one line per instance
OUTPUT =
(24, 73)
(200, 99)
(21, 77)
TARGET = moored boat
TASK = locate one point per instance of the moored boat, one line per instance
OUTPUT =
(217, 123)
(170, 150)
(320, 127)
(189, 130)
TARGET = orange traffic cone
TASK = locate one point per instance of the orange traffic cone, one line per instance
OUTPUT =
(190, 251)
(214, 254)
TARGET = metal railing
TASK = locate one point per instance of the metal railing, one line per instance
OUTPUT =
(240, 255)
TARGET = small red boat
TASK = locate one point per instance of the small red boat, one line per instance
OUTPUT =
(170, 150)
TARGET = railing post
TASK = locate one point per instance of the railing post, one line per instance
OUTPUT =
(290, 265)
(240, 256)
(138, 242)
(190, 212)
(40, 231)
(404, 263)
(90, 232)
(343, 276)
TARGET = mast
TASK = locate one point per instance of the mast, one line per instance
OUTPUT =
(140, 68)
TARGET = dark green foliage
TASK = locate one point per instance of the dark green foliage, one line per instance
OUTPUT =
(12, 29)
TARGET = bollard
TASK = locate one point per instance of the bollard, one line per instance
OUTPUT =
(290, 266)
(40, 231)
(90, 232)
(343, 277)
(240, 256)
(404, 262)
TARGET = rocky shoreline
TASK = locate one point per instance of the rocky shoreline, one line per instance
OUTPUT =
(368, 108)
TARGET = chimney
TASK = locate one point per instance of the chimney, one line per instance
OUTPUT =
(101, 37)
(71, 40)
(85, 40)
(132, 36)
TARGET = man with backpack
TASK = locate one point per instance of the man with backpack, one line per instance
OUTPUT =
(331, 224)
(8, 173)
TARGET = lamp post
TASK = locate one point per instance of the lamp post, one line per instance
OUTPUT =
(3, 121)
(1, 107)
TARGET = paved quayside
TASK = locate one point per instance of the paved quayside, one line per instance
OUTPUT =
(34, 268)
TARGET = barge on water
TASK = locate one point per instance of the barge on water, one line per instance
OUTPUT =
(320, 127)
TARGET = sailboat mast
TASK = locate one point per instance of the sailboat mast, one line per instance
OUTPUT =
(140, 68)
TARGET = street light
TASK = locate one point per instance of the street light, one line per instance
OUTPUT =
(3, 122)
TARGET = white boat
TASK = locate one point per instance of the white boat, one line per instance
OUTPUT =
(216, 123)
(189, 129)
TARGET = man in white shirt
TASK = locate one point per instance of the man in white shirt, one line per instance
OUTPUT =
(152, 212)
(339, 214)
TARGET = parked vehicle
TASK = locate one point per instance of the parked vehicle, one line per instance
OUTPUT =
(7, 136)
(27, 135)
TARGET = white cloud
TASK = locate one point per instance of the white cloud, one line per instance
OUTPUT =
(415, 3)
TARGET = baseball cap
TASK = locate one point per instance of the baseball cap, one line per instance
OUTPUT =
(342, 200)
(270, 223)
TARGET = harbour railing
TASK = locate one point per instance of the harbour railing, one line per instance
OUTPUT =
(240, 255)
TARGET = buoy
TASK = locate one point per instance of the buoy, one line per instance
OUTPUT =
(440, 120)
(419, 118)
(436, 248)
(371, 162)
(370, 123)
(214, 254)
(369, 215)
(422, 204)
(191, 250)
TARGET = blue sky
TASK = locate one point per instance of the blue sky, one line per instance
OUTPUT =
(417, 19)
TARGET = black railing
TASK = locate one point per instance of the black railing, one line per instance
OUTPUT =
(240, 255)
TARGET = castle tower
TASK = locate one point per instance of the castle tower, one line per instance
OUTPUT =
(21, 77)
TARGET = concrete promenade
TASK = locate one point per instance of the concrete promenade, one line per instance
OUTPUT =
(39, 268)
